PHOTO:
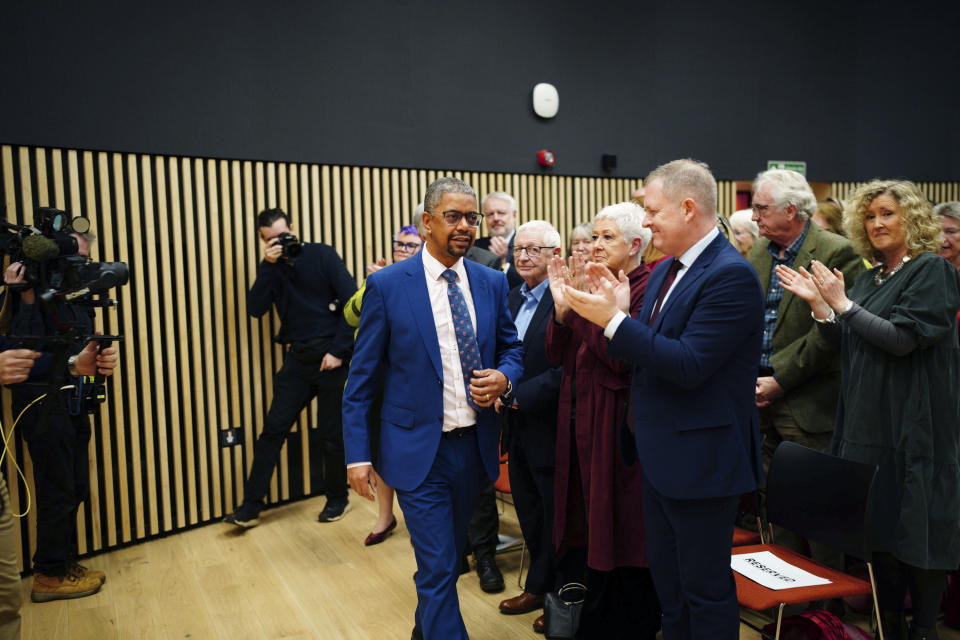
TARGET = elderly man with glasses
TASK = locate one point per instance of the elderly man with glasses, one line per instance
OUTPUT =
(529, 418)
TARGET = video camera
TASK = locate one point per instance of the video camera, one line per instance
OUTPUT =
(48, 252)
(56, 273)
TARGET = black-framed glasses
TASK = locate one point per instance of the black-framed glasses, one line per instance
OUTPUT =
(406, 247)
(454, 217)
(533, 252)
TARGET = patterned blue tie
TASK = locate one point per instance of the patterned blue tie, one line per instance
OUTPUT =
(463, 327)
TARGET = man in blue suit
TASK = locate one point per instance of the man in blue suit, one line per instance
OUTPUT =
(437, 330)
(694, 348)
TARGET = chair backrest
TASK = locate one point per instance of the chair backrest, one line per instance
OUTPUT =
(821, 497)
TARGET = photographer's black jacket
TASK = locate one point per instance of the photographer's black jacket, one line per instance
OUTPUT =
(304, 295)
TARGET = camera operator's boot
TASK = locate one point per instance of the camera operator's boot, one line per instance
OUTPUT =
(47, 588)
(85, 572)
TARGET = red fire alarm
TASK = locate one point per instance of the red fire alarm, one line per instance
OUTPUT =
(546, 158)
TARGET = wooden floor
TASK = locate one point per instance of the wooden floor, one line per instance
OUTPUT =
(290, 577)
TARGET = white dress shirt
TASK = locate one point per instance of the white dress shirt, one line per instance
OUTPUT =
(456, 412)
(686, 261)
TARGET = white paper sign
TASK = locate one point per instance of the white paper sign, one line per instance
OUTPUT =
(773, 573)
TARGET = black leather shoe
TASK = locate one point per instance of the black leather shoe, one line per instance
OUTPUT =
(922, 633)
(491, 580)
(417, 634)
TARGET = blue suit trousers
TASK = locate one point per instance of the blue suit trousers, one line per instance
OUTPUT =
(437, 515)
(688, 544)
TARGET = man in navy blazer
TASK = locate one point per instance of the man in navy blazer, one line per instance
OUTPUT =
(438, 431)
(694, 348)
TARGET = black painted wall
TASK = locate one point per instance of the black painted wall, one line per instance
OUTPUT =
(855, 89)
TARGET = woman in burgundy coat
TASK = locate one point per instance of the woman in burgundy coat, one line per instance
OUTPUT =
(598, 516)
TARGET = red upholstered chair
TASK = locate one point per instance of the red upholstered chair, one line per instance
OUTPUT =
(502, 483)
(502, 486)
(822, 498)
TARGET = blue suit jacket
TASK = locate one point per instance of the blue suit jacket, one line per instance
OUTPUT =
(398, 338)
(695, 374)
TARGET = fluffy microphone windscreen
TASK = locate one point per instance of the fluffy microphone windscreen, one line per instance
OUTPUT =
(40, 248)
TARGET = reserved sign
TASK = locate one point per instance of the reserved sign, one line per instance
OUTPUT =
(770, 571)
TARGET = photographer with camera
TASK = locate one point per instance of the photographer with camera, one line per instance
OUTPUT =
(307, 284)
(56, 429)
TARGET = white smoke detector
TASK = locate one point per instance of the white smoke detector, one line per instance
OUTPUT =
(546, 100)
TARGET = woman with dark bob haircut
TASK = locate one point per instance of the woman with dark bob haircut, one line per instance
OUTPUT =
(899, 406)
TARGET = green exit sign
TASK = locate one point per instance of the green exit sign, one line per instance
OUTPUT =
(792, 165)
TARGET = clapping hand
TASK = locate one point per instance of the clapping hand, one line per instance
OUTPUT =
(577, 267)
(598, 273)
(376, 266)
(499, 246)
(822, 289)
(559, 275)
(600, 306)
(831, 286)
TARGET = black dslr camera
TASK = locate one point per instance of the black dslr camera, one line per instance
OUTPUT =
(291, 246)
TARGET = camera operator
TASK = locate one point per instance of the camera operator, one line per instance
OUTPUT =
(308, 284)
(58, 444)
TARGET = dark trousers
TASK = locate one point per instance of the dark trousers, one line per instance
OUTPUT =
(688, 544)
(437, 514)
(58, 449)
(483, 535)
(532, 489)
(926, 588)
(293, 387)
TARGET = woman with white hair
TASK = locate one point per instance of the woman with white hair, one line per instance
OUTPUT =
(598, 506)
(745, 230)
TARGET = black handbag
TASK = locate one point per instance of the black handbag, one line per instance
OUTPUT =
(561, 611)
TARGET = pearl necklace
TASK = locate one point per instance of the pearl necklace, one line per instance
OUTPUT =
(882, 277)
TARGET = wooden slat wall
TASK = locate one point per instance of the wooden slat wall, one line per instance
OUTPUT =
(193, 361)
(936, 192)
(726, 197)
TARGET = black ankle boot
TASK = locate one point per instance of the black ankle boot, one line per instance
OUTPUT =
(922, 633)
(894, 626)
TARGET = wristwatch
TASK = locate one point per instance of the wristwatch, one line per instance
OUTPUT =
(507, 395)
(72, 366)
